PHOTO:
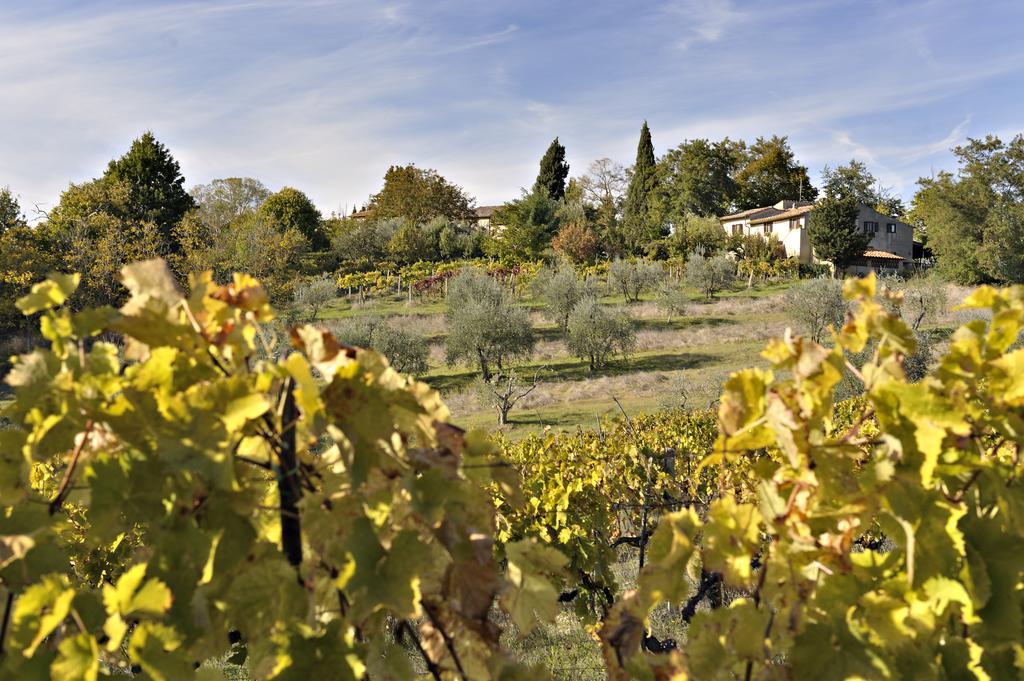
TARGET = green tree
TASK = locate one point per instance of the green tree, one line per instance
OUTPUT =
(92, 233)
(770, 174)
(814, 305)
(419, 194)
(709, 274)
(597, 332)
(834, 233)
(528, 225)
(632, 277)
(851, 181)
(291, 209)
(973, 219)
(485, 326)
(697, 178)
(313, 295)
(156, 187)
(560, 289)
(412, 243)
(640, 224)
(407, 352)
(252, 243)
(553, 171)
(222, 201)
(10, 210)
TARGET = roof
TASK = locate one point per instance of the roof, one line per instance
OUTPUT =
(783, 214)
(767, 211)
(882, 255)
(746, 213)
(483, 212)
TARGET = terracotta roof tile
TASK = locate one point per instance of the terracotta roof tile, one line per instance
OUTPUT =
(882, 255)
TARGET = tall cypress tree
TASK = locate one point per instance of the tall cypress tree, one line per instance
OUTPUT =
(638, 222)
(834, 233)
(553, 171)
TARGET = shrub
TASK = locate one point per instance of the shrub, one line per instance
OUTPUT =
(597, 332)
(632, 277)
(815, 304)
(709, 275)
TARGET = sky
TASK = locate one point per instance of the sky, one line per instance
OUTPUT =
(325, 95)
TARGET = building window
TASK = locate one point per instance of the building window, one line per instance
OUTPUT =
(870, 227)
(737, 230)
(794, 223)
(767, 228)
(890, 227)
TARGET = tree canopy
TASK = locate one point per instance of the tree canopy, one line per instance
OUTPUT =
(222, 201)
(155, 186)
(292, 209)
(771, 173)
(419, 194)
(834, 233)
(553, 171)
(697, 177)
(974, 220)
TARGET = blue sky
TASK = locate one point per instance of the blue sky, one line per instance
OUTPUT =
(324, 95)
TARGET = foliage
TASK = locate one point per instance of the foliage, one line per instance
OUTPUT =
(406, 351)
(156, 507)
(485, 326)
(313, 295)
(671, 298)
(456, 241)
(251, 243)
(412, 243)
(596, 332)
(640, 224)
(698, 178)
(694, 232)
(761, 257)
(815, 306)
(527, 227)
(560, 289)
(577, 241)
(709, 274)
(290, 209)
(365, 242)
(26, 256)
(885, 548)
(632, 277)
(154, 187)
(974, 220)
(834, 233)
(553, 171)
(770, 173)
(223, 201)
(92, 231)
(418, 195)
(10, 211)
(588, 491)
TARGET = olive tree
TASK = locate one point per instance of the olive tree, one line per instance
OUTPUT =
(671, 298)
(560, 290)
(709, 275)
(505, 391)
(406, 351)
(815, 304)
(485, 326)
(633, 277)
(597, 332)
(313, 295)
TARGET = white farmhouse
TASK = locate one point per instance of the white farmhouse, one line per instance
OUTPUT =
(891, 246)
